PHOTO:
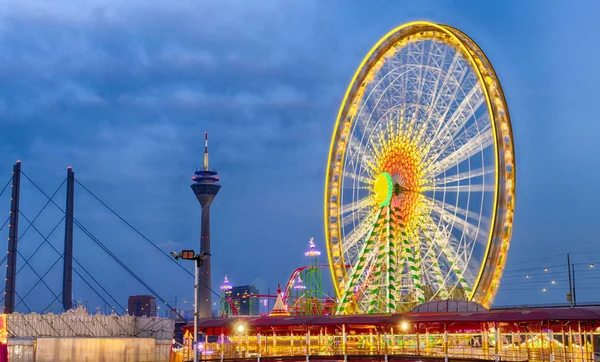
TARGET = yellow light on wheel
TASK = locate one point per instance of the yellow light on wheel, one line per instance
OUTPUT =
(383, 188)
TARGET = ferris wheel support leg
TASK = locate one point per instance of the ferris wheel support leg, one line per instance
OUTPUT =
(374, 297)
(390, 306)
(369, 243)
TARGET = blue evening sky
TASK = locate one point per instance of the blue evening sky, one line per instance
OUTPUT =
(123, 91)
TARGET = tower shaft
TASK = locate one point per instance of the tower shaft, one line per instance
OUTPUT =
(204, 277)
(205, 194)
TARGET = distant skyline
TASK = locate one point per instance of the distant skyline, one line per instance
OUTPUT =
(124, 90)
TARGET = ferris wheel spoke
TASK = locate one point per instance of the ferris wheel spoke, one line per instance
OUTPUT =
(441, 291)
(439, 87)
(447, 274)
(356, 179)
(376, 104)
(455, 141)
(358, 205)
(462, 214)
(359, 232)
(452, 84)
(429, 263)
(450, 80)
(437, 236)
(357, 216)
(464, 254)
(452, 218)
(467, 107)
(454, 264)
(449, 135)
(427, 109)
(470, 188)
(376, 144)
(362, 167)
(419, 132)
(357, 153)
(443, 181)
(459, 268)
(465, 151)
(420, 80)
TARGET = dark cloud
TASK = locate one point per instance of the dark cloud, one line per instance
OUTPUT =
(123, 90)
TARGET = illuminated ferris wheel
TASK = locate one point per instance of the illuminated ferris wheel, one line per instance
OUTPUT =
(420, 189)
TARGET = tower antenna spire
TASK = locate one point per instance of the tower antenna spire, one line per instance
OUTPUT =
(205, 151)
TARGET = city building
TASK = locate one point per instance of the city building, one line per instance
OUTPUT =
(141, 305)
(245, 299)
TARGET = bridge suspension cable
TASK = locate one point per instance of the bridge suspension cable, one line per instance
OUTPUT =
(106, 249)
(45, 240)
(141, 234)
(29, 226)
(27, 260)
(132, 227)
(40, 277)
(6, 186)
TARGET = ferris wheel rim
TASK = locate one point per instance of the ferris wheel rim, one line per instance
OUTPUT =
(477, 59)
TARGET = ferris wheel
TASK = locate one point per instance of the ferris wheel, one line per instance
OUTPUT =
(420, 187)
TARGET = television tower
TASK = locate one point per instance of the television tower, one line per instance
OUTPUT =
(205, 188)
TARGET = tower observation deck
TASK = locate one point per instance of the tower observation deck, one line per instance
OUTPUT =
(205, 188)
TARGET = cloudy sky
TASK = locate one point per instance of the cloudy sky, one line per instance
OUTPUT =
(123, 91)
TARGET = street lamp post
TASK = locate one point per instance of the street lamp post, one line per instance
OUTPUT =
(199, 259)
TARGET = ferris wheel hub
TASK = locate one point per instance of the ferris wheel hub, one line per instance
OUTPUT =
(383, 189)
(398, 189)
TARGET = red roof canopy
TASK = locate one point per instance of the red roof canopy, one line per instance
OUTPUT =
(562, 314)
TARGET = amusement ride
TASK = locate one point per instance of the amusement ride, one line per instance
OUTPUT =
(420, 185)
(302, 294)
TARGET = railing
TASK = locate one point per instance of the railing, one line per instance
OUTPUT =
(215, 351)
(519, 356)
(395, 348)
